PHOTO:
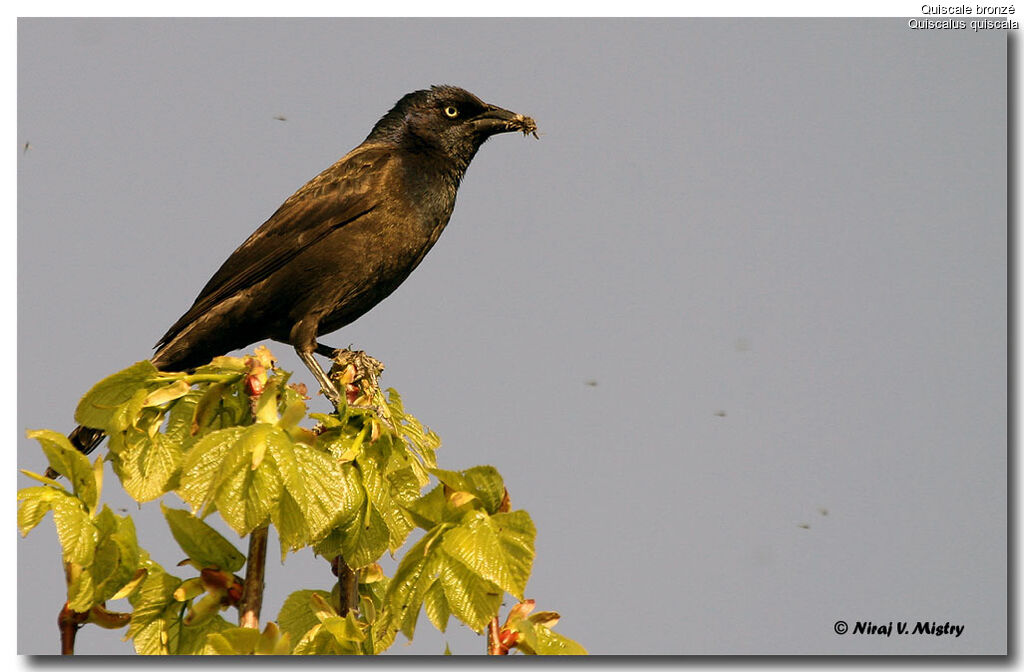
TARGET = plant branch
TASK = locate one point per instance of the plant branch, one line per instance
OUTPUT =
(348, 586)
(494, 647)
(252, 590)
(68, 622)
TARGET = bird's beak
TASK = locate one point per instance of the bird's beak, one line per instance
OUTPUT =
(497, 120)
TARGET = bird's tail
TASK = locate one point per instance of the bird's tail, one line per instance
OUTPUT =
(84, 439)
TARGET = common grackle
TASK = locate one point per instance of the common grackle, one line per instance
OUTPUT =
(341, 243)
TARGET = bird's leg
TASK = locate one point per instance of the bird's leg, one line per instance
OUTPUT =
(326, 386)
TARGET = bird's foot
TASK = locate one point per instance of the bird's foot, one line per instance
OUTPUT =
(357, 374)
(327, 388)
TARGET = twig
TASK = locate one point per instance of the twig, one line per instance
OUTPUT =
(68, 622)
(252, 591)
(494, 647)
(348, 586)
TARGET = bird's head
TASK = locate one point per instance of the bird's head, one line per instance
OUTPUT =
(447, 119)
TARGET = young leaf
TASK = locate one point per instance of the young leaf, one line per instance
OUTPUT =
(453, 479)
(499, 548)
(344, 629)
(206, 464)
(77, 534)
(129, 588)
(316, 483)
(81, 590)
(67, 461)
(487, 484)
(272, 642)
(333, 634)
(157, 622)
(414, 576)
(232, 642)
(152, 599)
(365, 537)
(473, 600)
(436, 605)
(430, 509)
(298, 615)
(117, 558)
(203, 544)
(543, 641)
(34, 503)
(162, 395)
(147, 466)
(246, 495)
(388, 499)
(106, 399)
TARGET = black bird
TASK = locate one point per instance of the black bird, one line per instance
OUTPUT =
(341, 243)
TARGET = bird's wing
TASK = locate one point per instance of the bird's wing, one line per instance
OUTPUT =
(338, 196)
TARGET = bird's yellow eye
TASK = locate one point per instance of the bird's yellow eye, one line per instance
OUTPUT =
(451, 111)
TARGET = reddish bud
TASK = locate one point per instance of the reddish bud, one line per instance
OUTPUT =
(256, 381)
(507, 639)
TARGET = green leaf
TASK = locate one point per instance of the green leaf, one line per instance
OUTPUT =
(34, 503)
(148, 466)
(213, 409)
(290, 523)
(81, 590)
(171, 392)
(388, 492)
(190, 640)
(297, 615)
(218, 645)
(266, 404)
(203, 544)
(67, 461)
(344, 629)
(232, 642)
(180, 416)
(472, 599)
(499, 548)
(365, 538)
(541, 640)
(320, 641)
(422, 442)
(430, 509)
(42, 479)
(436, 605)
(332, 634)
(317, 484)
(153, 598)
(272, 642)
(247, 496)
(246, 641)
(453, 479)
(156, 626)
(416, 572)
(207, 463)
(103, 406)
(117, 556)
(486, 483)
(77, 534)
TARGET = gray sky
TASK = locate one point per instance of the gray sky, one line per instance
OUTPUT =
(777, 246)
